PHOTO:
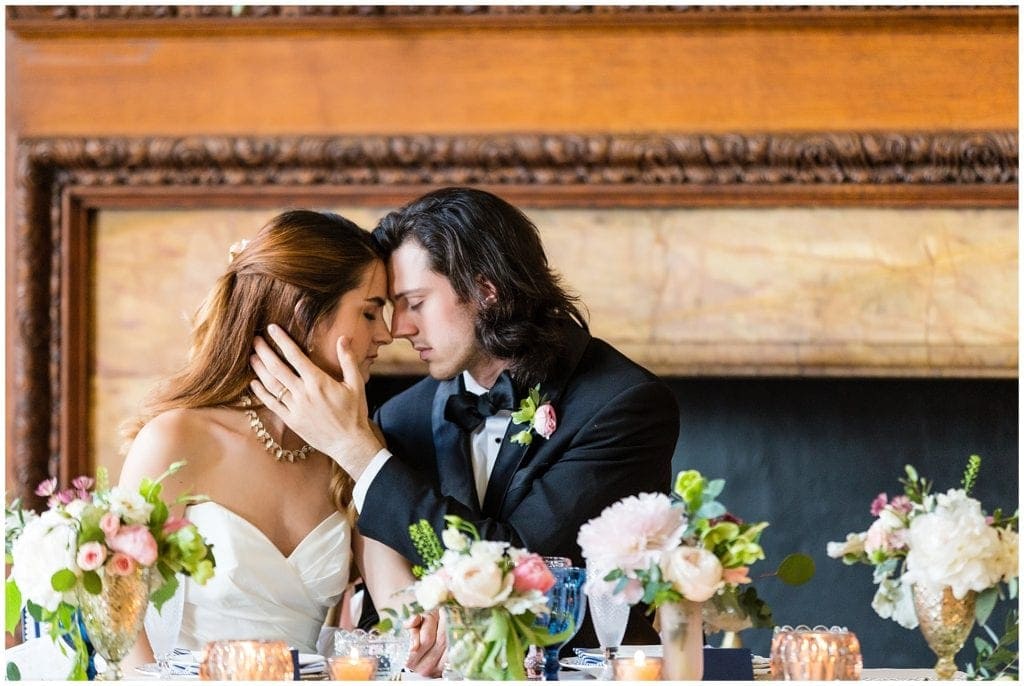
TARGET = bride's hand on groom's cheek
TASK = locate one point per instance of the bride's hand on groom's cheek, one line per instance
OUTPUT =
(429, 644)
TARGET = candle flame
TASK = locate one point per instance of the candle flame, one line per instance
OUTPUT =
(353, 655)
(639, 658)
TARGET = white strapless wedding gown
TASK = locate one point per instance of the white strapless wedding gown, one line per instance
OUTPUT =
(256, 592)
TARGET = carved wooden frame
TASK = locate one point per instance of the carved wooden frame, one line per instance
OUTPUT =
(60, 182)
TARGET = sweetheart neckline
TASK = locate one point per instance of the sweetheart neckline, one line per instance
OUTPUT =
(264, 535)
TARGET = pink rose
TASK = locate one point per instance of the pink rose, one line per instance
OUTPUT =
(135, 541)
(120, 565)
(531, 574)
(544, 421)
(91, 556)
(175, 524)
(736, 575)
(878, 504)
(110, 523)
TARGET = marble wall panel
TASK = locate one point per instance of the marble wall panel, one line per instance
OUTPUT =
(685, 292)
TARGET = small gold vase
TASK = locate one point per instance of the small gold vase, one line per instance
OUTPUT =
(113, 617)
(945, 622)
(682, 641)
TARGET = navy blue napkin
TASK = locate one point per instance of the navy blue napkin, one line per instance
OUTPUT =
(728, 664)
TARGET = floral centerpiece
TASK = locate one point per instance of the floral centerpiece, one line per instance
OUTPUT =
(683, 551)
(491, 593)
(920, 540)
(88, 550)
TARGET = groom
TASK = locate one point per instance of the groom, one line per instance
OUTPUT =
(474, 295)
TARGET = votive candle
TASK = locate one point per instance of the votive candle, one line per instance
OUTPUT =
(637, 668)
(353, 668)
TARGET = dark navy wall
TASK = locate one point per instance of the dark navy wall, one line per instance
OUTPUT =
(809, 455)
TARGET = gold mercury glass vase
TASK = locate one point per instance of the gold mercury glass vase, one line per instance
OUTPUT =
(113, 617)
(945, 622)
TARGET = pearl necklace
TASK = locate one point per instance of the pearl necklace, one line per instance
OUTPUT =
(272, 446)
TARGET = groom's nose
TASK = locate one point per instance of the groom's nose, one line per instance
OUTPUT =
(401, 324)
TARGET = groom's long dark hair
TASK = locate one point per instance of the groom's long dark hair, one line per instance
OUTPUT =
(473, 236)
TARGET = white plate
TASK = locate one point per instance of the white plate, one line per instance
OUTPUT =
(624, 651)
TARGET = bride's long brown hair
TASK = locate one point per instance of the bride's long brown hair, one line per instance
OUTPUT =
(292, 273)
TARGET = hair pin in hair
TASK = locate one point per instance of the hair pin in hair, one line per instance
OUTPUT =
(236, 248)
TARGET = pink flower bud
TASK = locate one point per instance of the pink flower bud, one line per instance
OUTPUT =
(531, 574)
(91, 555)
(544, 420)
(110, 523)
(135, 541)
(83, 483)
(175, 524)
(120, 565)
(65, 496)
(878, 504)
(736, 575)
(47, 487)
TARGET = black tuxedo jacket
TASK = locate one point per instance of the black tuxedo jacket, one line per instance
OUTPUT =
(616, 431)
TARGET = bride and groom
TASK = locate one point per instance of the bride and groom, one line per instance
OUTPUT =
(473, 293)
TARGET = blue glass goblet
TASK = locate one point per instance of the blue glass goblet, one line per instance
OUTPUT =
(567, 605)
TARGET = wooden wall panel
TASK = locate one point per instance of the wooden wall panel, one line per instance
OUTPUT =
(832, 71)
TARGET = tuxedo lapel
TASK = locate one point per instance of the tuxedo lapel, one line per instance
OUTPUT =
(454, 466)
(512, 456)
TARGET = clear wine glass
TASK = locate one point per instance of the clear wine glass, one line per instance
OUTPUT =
(162, 629)
(567, 605)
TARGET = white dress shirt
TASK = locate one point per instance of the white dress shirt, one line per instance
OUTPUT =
(484, 444)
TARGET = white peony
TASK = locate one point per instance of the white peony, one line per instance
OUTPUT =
(694, 572)
(477, 581)
(47, 545)
(954, 546)
(431, 591)
(131, 507)
(632, 533)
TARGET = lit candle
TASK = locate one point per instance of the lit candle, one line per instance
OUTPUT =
(637, 668)
(353, 667)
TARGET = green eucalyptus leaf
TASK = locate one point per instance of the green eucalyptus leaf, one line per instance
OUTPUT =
(714, 489)
(13, 673)
(92, 583)
(64, 580)
(984, 604)
(12, 598)
(796, 569)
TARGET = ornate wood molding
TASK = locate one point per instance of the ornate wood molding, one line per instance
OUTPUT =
(59, 181)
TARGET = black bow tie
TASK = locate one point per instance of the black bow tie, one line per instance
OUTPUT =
(469, 410)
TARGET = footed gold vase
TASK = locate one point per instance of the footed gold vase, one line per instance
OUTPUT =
(945, 622)
(113, 617)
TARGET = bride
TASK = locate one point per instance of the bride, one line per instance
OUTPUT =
(279, 513)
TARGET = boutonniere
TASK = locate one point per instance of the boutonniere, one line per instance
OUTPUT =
(538, 413)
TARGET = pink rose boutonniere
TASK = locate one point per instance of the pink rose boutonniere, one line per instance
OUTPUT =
(538, 413)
